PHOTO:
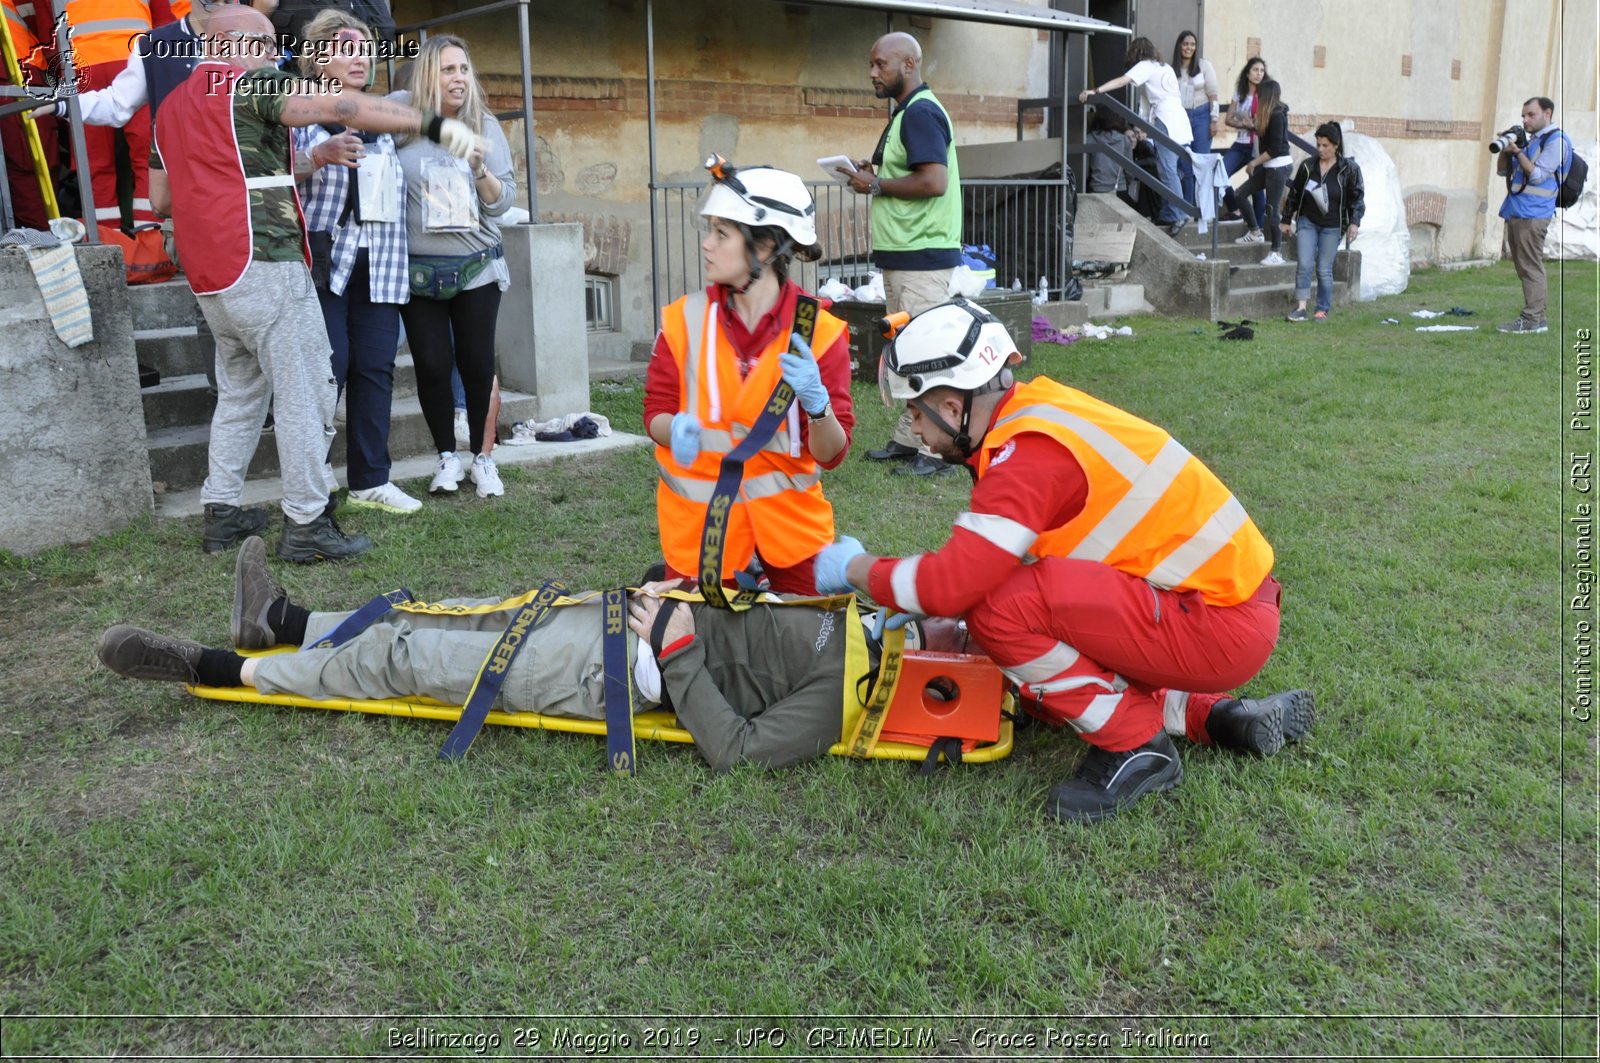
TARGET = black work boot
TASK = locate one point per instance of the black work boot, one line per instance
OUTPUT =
(1262, 725)
(229, 525)
(140, 654)
(1106, 783)
(254, 594)
(320, 540)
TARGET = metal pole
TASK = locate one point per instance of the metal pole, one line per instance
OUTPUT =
(527, 110)
(1058, 43)
(650, 97)
(80, 149)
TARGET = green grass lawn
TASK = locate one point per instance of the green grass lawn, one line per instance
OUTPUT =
(1418, 878)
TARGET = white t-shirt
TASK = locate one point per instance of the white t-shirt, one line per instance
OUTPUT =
(1158, 87)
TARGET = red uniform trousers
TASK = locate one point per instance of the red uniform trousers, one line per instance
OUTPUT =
(27, 202)
(1115, 658)
(101, 143)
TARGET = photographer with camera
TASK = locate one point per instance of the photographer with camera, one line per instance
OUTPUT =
(1530, 157)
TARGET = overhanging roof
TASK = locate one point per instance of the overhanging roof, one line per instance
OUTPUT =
(997, 11)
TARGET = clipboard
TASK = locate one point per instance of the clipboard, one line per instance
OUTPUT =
(830, 164)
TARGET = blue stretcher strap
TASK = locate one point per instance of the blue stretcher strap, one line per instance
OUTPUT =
(492, 674)
(618, 688)
(362, 618)
(730, 474)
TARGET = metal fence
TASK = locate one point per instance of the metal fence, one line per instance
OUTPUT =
(1026, 222)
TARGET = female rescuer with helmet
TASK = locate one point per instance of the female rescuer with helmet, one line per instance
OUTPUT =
(719, 356)
(1152, 590)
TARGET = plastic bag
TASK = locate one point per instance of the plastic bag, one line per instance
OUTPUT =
(966, 282)
(449, 202)
(835, 290)
(872, 291)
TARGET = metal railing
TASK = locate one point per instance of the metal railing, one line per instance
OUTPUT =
(1172, 196)
(1024, 221)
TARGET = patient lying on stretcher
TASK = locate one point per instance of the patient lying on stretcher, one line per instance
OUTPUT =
(765, 685)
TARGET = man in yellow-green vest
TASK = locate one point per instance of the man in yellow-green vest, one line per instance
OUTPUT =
(915, 186)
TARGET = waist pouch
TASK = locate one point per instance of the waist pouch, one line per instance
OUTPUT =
(443, 276)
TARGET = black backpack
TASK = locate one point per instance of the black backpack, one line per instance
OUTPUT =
(1572, 180)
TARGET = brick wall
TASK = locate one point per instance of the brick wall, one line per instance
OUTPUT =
(677, 99)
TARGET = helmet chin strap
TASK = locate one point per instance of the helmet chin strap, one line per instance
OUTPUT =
(757, 266)
(962, 438)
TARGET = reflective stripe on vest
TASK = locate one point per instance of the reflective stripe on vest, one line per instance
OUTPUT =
(780, 506)
(103, 30)
(1153, 509)
(22, 38)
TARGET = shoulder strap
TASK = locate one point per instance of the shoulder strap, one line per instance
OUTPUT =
(731, 473)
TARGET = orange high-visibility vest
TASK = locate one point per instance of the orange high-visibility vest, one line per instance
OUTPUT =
(780, 508)
(103, 31)
(18, 19)
(1153, 509)
(179, 8)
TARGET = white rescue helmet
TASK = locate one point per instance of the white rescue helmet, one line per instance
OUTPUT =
(956, 345)
(760, 196)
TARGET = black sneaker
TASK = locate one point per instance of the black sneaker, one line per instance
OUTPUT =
(1106, 783)
(254, 593)
(320, 540)
(1262, 725)
(227, 526)
(140, 654)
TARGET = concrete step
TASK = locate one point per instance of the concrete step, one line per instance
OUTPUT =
(162, 306)
(178, 455)
(1266, 302)
(177, 402)
(174, 351)
(1239, 254)
(417, 469)
(1255, 275)
(616, 369)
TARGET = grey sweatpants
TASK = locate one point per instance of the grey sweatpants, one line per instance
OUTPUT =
(559, 670)
(271, 341)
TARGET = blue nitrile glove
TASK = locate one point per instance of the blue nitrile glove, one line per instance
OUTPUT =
(685, 438)
(829, 567)
(882, 621)
(800, 370)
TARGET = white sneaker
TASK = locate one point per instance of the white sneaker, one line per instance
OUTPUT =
(463, 431)
(486, 476)
(1272, 259)
(386, 497)
(1254, 236)
(449, 474)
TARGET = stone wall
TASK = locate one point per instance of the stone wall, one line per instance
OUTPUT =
(72, 434)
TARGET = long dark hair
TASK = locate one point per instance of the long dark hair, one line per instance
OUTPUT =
(1241, 88)
(1334, 135)
(1193, 66)
(1140, 49)
(1269, 97)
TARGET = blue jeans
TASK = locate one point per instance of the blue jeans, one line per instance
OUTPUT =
(364, 335)
(1315, 247)
(1200, 126)
(1235, 157)
(1167, 171)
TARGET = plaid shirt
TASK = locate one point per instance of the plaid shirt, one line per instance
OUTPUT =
(323, 196)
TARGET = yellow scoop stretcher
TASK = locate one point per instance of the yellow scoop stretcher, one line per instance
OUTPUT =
(921, 705)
